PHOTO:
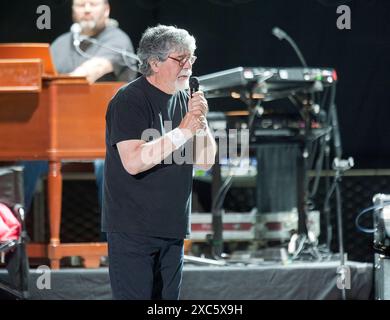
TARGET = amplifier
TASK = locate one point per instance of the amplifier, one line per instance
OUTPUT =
(382, 224)
(382, 277)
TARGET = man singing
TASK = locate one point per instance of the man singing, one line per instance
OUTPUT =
(147, 200)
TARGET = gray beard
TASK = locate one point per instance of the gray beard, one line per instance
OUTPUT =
(88, 26)
(181, 87)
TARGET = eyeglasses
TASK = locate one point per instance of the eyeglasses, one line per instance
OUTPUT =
(184, 60)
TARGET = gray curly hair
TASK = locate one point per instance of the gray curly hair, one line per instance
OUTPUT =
(158, 42)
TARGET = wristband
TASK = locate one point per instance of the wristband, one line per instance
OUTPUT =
(177, 137)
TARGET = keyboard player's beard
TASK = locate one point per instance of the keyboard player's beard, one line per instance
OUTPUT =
(88, 27)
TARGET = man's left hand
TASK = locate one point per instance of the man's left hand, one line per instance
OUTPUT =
(198, 104)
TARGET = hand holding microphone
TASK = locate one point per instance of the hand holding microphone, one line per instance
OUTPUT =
(194, 122)
(198, 106)
(194, 85)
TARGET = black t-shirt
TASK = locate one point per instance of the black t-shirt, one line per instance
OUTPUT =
(155, 202)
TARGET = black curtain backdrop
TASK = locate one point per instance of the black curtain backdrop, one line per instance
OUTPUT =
(238, 32)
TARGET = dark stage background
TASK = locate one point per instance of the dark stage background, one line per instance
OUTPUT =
(235, 33)
(238, 32)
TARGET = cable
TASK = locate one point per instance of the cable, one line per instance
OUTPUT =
(218, 201)
(334, 122)
(82, 53)
(323, 143)
(324, 158)
(363, 212)
(339, 222)
(223, 195)
(318, 168)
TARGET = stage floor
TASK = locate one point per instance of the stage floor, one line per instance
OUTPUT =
(296, 281)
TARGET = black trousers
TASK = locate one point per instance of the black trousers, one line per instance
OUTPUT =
(144, 268)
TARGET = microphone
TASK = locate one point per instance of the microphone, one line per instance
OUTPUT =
(279, 33)
(194, 85)
(282, 35)
(78, 38)
(75, 29)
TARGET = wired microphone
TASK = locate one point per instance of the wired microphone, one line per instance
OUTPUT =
(194, 85)
(75, 29)
(78, 38)
(282, 35)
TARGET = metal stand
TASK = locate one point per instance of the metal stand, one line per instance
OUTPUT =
(217, 223)
(339, 166)
(304, 242)
(219, 190)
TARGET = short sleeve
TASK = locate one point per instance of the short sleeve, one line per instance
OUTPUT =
(127, 118)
